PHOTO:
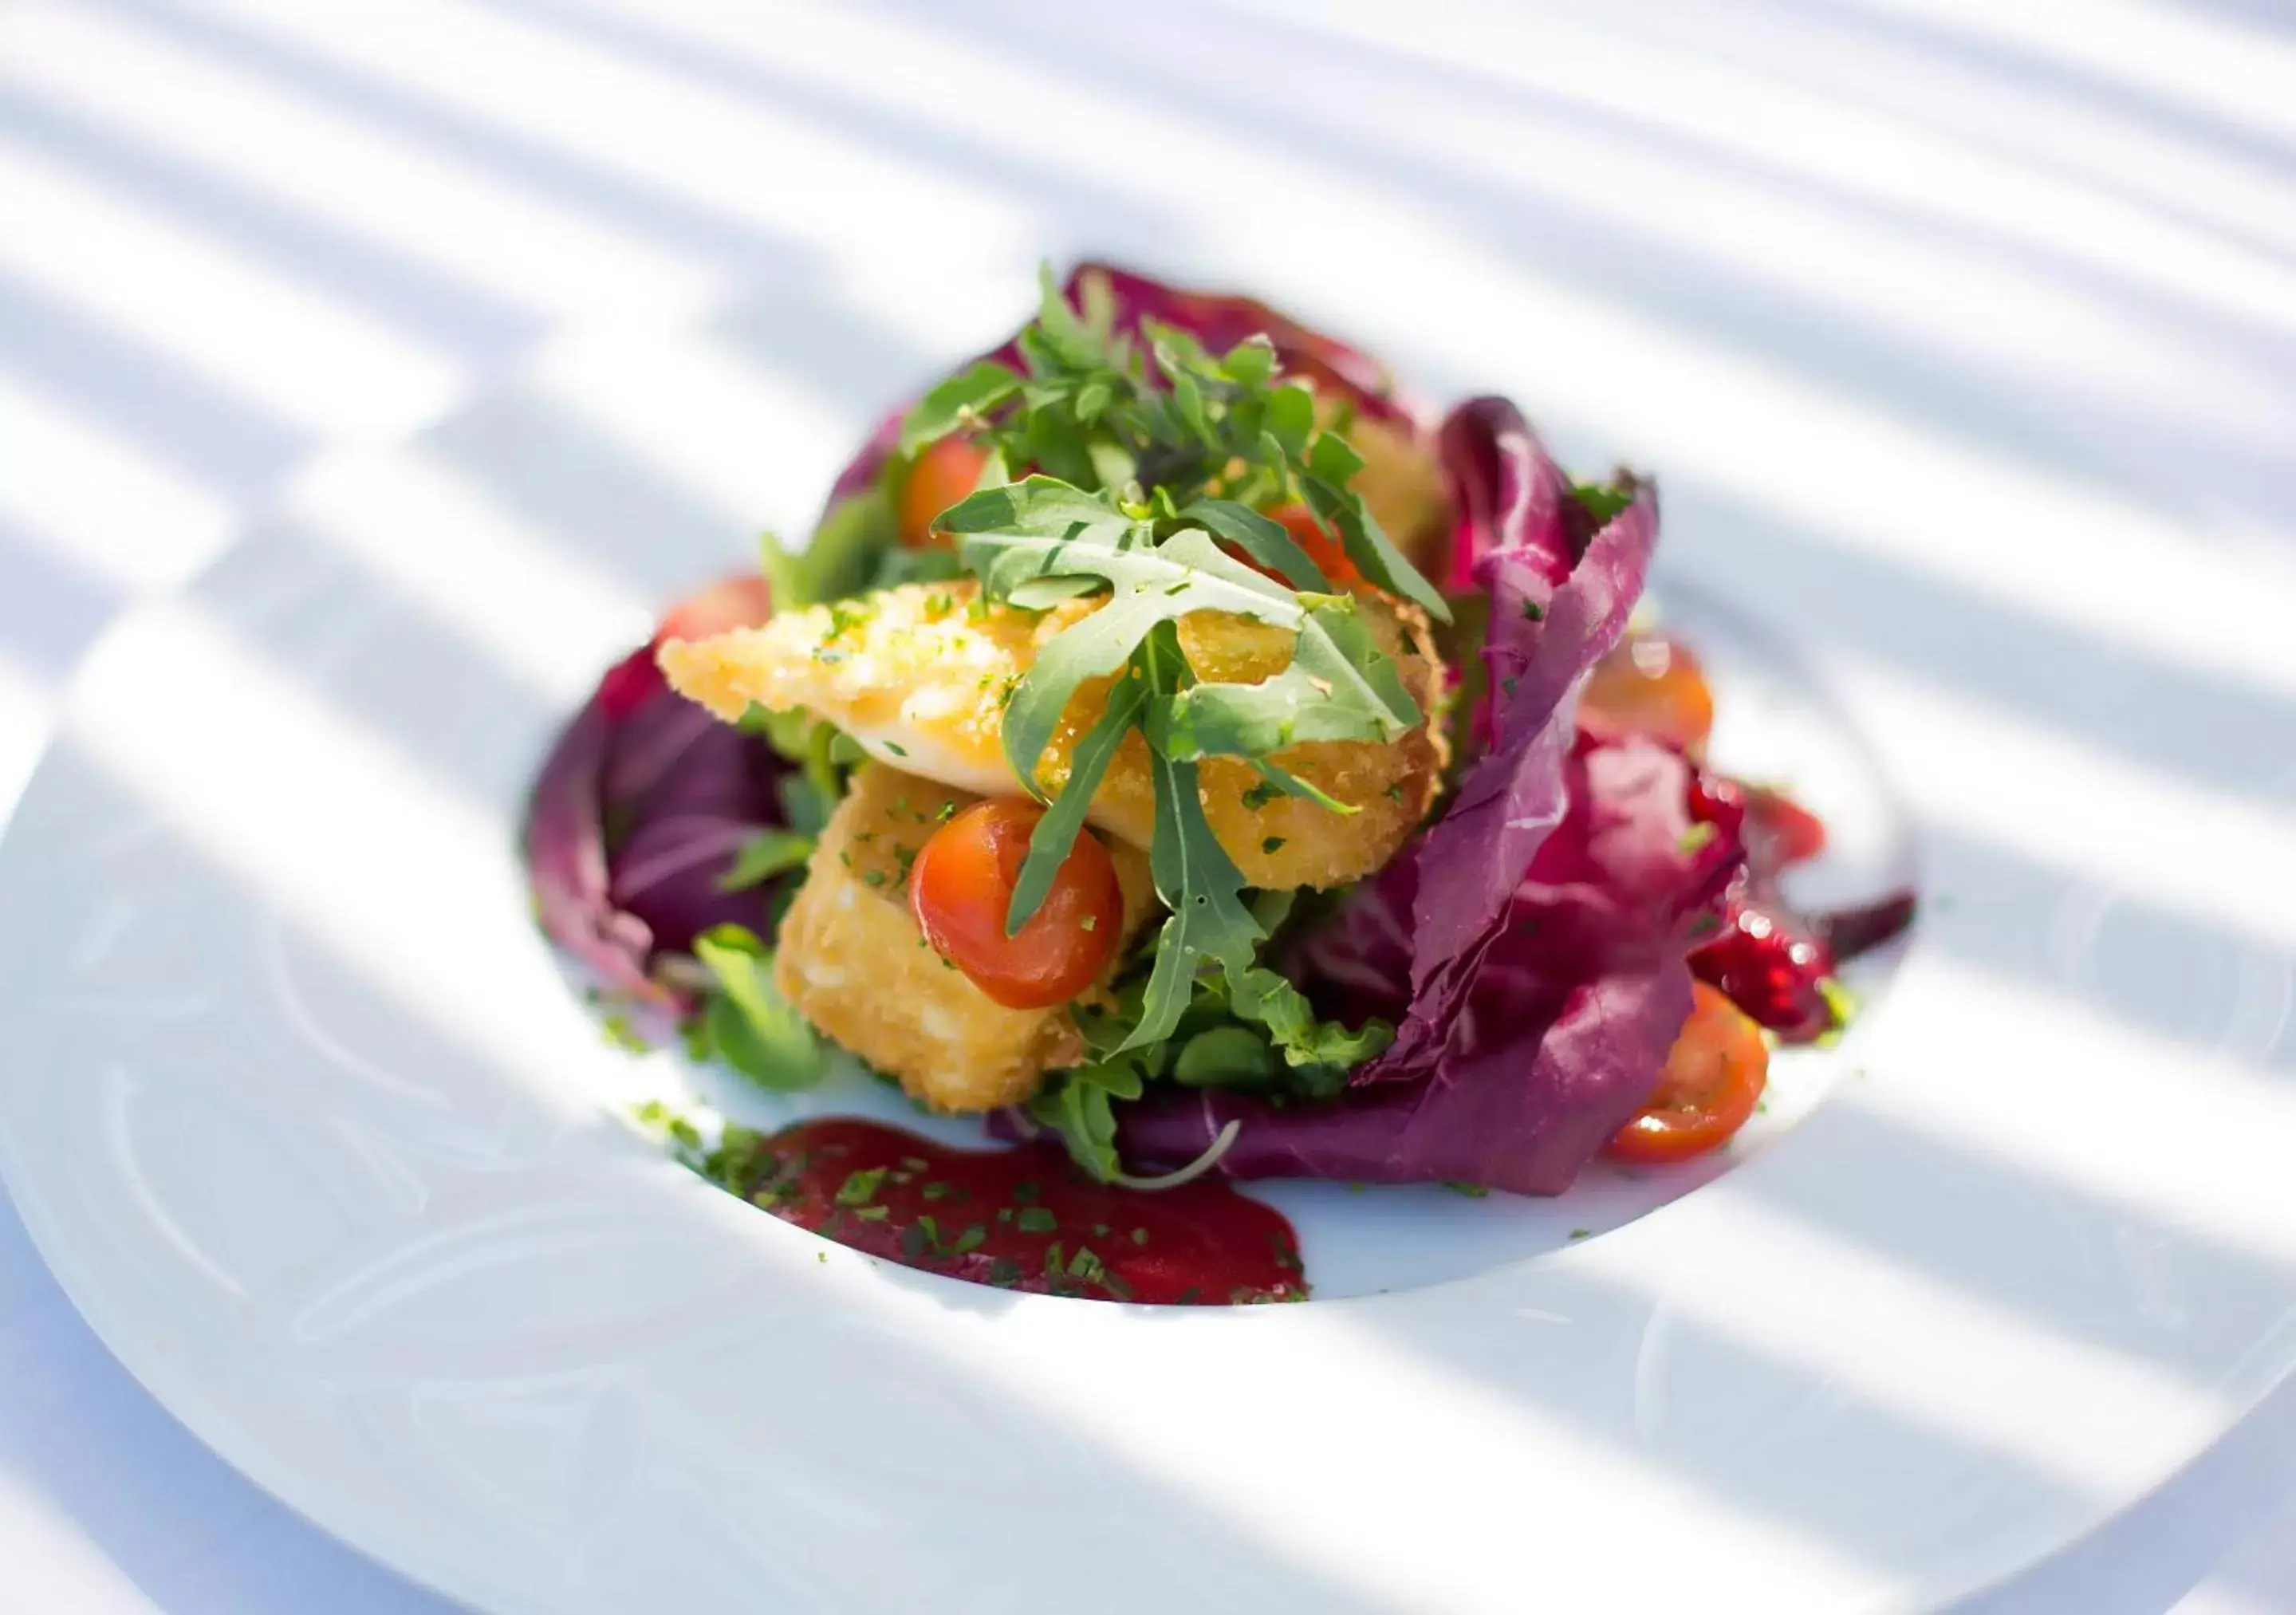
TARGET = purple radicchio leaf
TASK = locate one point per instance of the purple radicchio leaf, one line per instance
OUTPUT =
(641, 807)
(1555, 609)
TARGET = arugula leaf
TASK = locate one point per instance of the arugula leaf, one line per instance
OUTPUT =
(1338, 687)
(764, 856)
(1263, 540)
(1210, 923)
(1040, 507)
(1057, 831)
(1321, 1052)
(1225, 1057)
(959, 402)
(1021, 536)
(1077, 1107)
(1372, 550)
(747, 1021)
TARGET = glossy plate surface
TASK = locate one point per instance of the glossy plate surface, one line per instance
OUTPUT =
(305, 1120)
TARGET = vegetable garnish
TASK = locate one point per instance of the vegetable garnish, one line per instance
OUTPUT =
(1160, 467)
(1711, 1081)
(960, 887)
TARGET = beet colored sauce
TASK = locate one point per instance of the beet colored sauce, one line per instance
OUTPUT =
(1022, 1218)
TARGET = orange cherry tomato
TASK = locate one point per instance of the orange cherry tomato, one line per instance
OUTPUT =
(1650, 685)
(945, 474)
(961, 888)
(1713, 1078)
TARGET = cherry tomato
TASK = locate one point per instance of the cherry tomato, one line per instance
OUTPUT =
(1650, 685)
(1714, 1076)
(962, 886)
(945, 474)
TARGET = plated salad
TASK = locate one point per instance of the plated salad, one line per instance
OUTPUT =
(1186, 750)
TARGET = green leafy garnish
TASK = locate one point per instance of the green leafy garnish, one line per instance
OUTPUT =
(747, 1020)
(1603, 503)
(765, 854)
(1077, 1108)
(1153, 461)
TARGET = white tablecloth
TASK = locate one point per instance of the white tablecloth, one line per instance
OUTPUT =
(239, 236)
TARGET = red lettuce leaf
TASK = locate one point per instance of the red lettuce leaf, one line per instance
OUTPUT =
(641, 807)
(1557, 604)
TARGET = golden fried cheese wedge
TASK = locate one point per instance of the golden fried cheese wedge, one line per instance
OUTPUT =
(918, 676)
(850, 958)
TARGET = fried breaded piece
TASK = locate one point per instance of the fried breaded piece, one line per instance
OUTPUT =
(852, 961)
(918, 676)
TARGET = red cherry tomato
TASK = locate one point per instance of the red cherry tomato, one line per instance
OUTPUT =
(1714, 1076)
(962, 886)
(1650, 685)
(944, 475)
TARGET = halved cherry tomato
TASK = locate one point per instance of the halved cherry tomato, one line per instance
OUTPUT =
(1650, 685)
(962, 886)
(1713, 1078)
(945, 474)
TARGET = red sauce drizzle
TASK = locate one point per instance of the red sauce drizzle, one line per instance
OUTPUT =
(1019, 1218)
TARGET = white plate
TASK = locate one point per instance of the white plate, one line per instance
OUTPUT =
(301, 1114)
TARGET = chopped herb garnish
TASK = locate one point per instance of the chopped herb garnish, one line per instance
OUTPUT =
(1274, 843)
(1035, 1219)
(860, 1188)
